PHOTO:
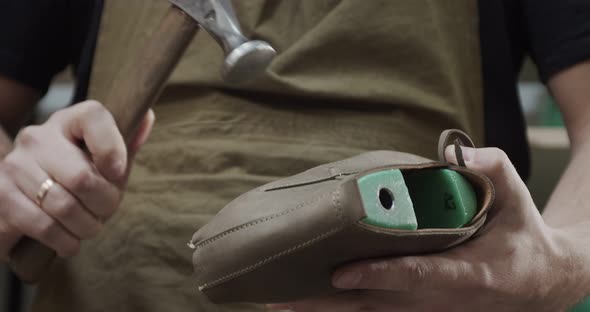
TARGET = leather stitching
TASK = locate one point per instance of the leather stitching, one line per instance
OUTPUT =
(316, 181)
(323, 178)
(259, 221)
(269, 259)
(336, 204)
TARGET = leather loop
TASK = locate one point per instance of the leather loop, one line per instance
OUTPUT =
(458, 138)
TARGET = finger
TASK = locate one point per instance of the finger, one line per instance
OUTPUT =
(141, 136)
(407, 274)
(93, 124)
(70, 213)
(72, 169)
(385, 301)
(28, 219)
(58, 202)
(350, 301)
(511, 191)
(40, 226)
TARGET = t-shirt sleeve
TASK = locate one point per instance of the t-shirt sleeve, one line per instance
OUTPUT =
(558, 32)
(34, 40)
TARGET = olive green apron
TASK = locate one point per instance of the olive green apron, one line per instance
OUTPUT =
(351, 76)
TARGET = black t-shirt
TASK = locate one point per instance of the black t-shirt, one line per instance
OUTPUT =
(555, 34)
(39, 38)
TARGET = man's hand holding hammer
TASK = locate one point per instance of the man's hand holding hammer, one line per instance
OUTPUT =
(73, 169)
(64, 178)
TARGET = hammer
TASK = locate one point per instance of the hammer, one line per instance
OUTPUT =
(138, 88)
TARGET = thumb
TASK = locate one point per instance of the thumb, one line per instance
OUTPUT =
(141, 136)
(142, 133)
(495, 164)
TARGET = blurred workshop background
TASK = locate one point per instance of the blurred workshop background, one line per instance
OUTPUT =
(548, 139)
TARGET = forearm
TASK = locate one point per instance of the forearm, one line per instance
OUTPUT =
(570, 201)
(568, 210)
(568, 213)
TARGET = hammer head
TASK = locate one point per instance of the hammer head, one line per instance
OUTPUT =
(245, 59)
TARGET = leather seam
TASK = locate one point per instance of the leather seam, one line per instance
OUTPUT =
(311, 182)
(258, 221)
(337, 165)
(258, 264)
(336, 204)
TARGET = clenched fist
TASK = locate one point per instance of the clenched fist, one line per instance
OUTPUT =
(65, 177)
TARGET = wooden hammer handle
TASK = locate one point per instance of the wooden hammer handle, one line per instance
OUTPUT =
(135, 91)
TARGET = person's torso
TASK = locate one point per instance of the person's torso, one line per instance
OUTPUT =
(421, 58)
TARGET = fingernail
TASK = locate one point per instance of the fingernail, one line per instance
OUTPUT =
(468, 153)
(347, 279)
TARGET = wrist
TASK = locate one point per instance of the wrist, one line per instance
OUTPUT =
(574, 258)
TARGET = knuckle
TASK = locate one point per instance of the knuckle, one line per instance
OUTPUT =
(29, 135)
(112, 155)
(57, 115)
(81, 181)
(97, 110)
(499, 160)
(501, 156)
(93, 105)
(65, 208)
(417, 272)
(48, 228)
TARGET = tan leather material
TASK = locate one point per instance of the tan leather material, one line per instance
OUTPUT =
(282, 241)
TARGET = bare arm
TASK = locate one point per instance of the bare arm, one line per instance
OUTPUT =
(16, 105)
(570, 202)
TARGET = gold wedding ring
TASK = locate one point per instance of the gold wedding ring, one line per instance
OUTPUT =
(43, 191)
